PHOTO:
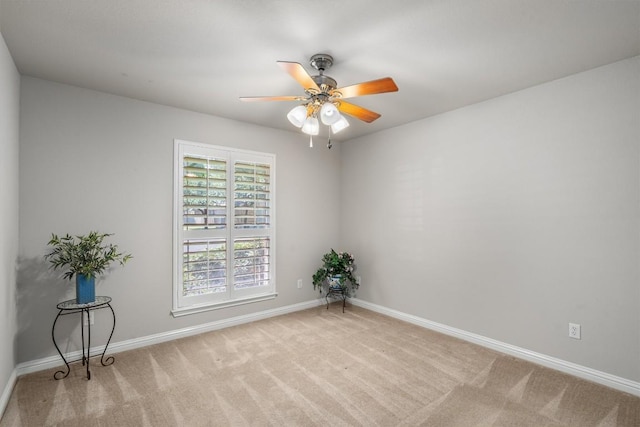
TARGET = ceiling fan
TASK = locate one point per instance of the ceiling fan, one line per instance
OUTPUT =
(323, 98)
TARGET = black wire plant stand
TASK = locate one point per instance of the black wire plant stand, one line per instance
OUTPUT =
(72, 307)
(339, 292)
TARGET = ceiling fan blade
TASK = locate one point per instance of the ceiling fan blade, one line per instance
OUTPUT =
(298, 72)
(272, 98)
(357, 111)
(368, 88)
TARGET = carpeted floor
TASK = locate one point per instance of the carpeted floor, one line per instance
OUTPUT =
(317, 367)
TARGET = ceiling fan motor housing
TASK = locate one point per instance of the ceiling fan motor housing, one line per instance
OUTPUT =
(325, 83)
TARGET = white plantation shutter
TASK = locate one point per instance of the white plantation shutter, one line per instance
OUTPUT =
(204, 266)
(204, 192)
(251, 195)
(251, 262)
(224, 227)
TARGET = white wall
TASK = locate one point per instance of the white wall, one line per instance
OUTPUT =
(9, 126)
(95, 161)
(510, 218)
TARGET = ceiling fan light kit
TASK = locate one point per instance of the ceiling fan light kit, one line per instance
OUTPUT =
(323, 99)
(311, 126)
(342, 123)
(298, 115)
(329, 114)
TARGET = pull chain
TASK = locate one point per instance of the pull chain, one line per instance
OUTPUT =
(310, 141)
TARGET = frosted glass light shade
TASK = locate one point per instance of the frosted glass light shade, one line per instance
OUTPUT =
(342, 123)
(329, 114)
(311, 126)
(297, 115)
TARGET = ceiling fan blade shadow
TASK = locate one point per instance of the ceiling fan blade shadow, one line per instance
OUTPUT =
(368, 88)
(272, 98)
(298, 72)
(357, 111)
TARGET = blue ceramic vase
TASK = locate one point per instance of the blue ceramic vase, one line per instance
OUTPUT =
(85, 289)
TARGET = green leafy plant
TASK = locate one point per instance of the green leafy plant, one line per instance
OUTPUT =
(336, 264)
(86, 255)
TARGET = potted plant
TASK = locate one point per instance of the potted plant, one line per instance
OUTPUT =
(85, 257)
(336, 271)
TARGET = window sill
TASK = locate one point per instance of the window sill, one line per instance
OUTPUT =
(185, 311)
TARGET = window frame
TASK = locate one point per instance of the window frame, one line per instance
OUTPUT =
(184, 305)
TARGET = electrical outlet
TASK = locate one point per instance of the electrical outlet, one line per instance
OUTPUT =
(299, 283)
(574, 331)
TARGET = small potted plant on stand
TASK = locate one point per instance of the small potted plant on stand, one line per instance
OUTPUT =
(335, 276)
(85, 257)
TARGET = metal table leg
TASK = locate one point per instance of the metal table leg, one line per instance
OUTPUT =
(88, 340)
(109, 360)
(53, 328)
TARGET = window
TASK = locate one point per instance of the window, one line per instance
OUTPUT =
(224, 231)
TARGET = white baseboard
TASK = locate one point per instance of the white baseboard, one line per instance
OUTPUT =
(55, 361)
(579, 371)
(6, 393)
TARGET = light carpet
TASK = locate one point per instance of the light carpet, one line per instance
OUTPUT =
(317, 367)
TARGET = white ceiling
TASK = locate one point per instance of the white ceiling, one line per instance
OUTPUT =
(202, 55)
